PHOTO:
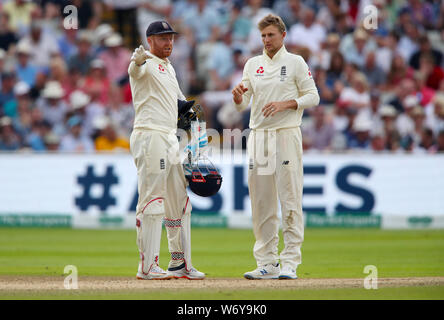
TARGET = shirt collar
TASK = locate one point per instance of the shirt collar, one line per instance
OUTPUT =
(278, 54)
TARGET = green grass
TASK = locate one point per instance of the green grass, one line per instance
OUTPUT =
(327, 253)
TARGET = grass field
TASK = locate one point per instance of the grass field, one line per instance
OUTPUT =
(226, 253)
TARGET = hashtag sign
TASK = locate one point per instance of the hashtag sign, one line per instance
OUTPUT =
(90, 179)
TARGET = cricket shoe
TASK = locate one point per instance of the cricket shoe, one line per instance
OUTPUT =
(287, 273)
(156, 273)
(182, 272)
(268, 271)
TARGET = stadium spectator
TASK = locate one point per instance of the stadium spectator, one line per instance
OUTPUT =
(74, 141)
(404, 123)
(7, 102)
(81, 106)
(238, 24)
(408, 43)
(421, 13)
(149, 11)
(43, 45)
(52, 142)
(375, 75)
(125, 16)
(359, 135)
(319, 133)
(53, 107)
(22, 121)
(255, 11)
(355, 47)
(25, 70)
(67, 43)
(425, 47)
(82, 59)
(116, 58)
(406, 87)
(335, 72)
(308, 33)
(2, 63)
(108, 138)
(418, 117)
(101, 33)
(182, 61)
(7, 36)
(289, 11)
(440, 142)
(328, 12)
(220, 64)
(203, 21)
(435, 114)
(323, 57)
(20, 13)
(427, 142)
(378, 143)
(432, 72)
(9, 139)
(398, 72)
(97, 84)
(357, 95)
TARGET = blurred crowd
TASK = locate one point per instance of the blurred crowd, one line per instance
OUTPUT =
(65, 88)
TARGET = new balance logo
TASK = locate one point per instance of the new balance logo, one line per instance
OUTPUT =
(286, 162)
(263, 271)
(162, 164)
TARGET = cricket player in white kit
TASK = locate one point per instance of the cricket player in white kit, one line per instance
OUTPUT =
(155, 148)
(282, 86)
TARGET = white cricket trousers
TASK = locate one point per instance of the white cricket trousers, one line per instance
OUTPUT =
(276, 173)
(162, 194)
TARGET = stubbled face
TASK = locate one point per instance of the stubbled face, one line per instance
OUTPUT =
(272, 39)
(161, 45)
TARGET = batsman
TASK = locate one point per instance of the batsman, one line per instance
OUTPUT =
(155, 149)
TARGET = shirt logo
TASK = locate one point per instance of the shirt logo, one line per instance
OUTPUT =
(309, 73)
(161, 68)
(260, 70)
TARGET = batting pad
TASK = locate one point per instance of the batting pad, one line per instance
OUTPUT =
(186, 238)
(149, 232)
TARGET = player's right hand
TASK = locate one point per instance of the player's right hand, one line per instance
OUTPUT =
(139, 55)
(237, 92)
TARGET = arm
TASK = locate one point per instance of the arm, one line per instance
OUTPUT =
(136, 68)
(243, 91)
(309, 96)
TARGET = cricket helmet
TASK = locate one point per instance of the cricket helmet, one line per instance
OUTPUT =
(203, 179)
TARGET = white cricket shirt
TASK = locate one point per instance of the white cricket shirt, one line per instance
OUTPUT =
(285, 77)
(155, 91)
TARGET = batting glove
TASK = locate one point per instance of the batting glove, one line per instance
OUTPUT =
(139, 55)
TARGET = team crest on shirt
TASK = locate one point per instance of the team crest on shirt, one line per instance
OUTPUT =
(283, 73)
